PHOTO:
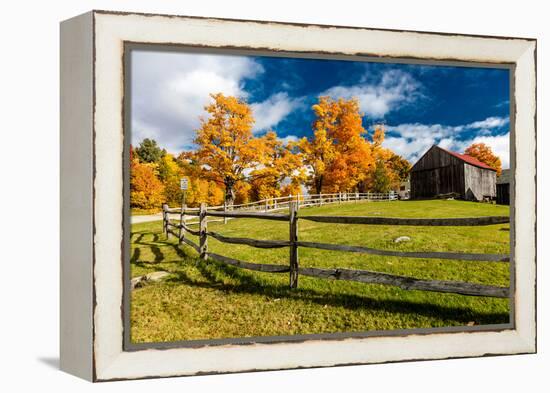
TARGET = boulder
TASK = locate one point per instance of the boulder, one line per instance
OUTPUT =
(151, 277)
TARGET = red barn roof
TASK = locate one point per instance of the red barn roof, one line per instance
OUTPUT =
(469, 159)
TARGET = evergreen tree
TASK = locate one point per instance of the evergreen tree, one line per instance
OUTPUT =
(148, 151)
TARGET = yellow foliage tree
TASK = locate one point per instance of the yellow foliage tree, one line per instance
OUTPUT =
(226, 145)
(395, 168)
(170, 174)
(317, 153)
(281, 164)
(338, 155)
(215, 194)
(293, 188)
(242, 192)
(146, 190)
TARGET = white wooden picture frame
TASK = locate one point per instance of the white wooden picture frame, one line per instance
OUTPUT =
(92, 197)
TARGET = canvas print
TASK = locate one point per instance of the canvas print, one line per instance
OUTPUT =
(283, 197)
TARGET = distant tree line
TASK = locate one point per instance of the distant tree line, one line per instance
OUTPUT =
(231, 164)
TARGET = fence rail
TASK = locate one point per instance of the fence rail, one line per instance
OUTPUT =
(282, 203)
(468, 221)
(364, 276)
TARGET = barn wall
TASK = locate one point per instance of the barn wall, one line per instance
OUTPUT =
(432, 182)
(435, 158)
(479, 182)
(437, 172)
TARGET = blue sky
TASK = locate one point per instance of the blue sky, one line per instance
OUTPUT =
(420, 105)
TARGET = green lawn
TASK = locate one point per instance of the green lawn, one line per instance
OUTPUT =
(205, 300)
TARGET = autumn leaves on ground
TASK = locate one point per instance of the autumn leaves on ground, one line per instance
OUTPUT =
(206, 299)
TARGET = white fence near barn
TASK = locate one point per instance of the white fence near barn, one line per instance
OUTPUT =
(309, 200)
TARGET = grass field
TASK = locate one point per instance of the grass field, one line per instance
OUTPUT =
(205, 300)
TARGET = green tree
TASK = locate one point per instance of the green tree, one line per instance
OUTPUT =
(170, 173)
(381, 180)
(148, 151)
(400, 166)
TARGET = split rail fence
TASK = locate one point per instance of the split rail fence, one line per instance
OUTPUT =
(182, 228)
(303, 201)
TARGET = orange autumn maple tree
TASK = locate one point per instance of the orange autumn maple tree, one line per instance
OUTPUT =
(340, 156)
(230, 163)
(483, 153)
(226, 146)
(146, 190)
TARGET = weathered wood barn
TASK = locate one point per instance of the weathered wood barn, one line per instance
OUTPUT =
(503, 188)
(440, 171)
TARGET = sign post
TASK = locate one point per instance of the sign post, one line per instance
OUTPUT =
(184, 185)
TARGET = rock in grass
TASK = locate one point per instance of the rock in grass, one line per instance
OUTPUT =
(402, 239)
(151, 277)
(157, 276)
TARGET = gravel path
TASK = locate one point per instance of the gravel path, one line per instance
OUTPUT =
(147, 218)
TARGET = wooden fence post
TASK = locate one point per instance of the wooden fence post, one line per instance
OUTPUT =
(165, 220)
(293, 232)
(203, 239)
(181, 233)
(225, 211)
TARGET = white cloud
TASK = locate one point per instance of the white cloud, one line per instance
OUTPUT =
(413, 140)
(289, 138)
(490, 122)
(411, 149)
(170, 90)
(424, 131)
(394, 88)
(270, 112)
(503, 103)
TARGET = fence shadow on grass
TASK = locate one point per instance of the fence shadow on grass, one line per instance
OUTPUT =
(136, 253)
(214, 273)
(215, 276)
(140, 243)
